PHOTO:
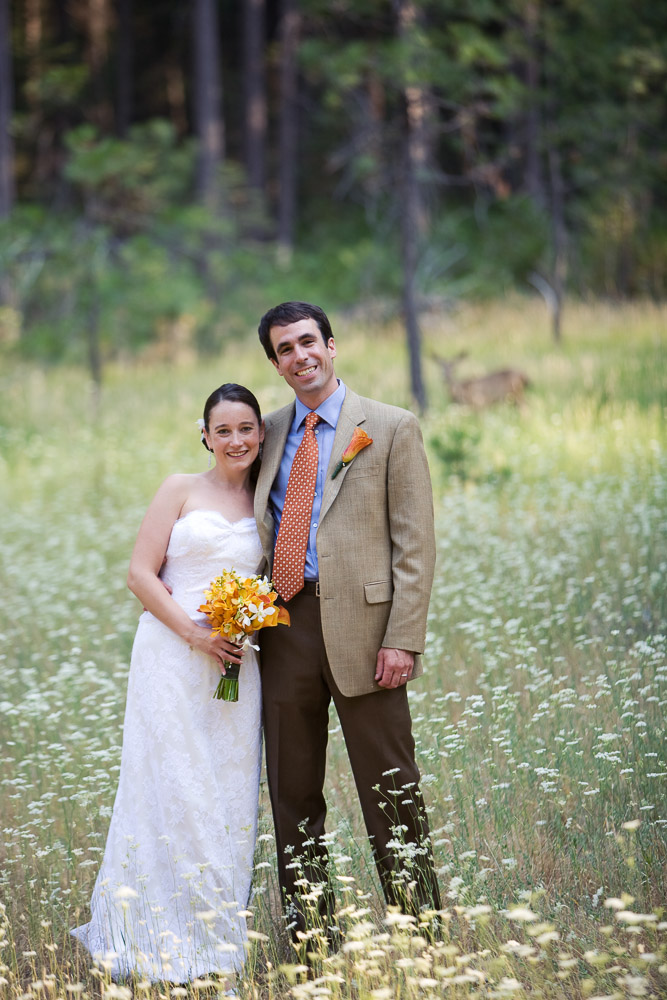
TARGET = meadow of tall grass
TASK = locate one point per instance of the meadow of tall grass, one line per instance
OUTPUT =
(540, 721)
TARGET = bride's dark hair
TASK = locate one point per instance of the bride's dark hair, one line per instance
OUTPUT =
(231, 392)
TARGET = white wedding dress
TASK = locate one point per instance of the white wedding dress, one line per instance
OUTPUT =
(178, 863)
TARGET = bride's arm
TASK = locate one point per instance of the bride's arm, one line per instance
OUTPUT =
(145, 564)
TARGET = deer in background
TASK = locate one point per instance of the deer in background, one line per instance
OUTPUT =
(506, 385)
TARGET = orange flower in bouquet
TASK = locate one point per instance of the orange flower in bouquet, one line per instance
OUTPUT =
(237, 607)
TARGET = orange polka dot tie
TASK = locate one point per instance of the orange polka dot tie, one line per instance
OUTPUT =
(289, 559)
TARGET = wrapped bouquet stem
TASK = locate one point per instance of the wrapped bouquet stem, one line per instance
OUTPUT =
(228, 685)
(237, 607)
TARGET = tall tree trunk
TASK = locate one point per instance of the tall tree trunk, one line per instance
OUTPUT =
(413, 212)
(175, 90)
(62, 21)
(124, 67)
(288, 127)
(98, 24)
(552, 287)
(209, 122)
(419, 107)
(254, 87)
(376, 110)
(6, 106)
(33, 45)
(41, 127)
(410, 226)
(533, 179)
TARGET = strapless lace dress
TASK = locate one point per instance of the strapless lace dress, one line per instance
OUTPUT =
(178, 861)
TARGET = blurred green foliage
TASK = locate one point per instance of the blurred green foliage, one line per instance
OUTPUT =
(536, 116)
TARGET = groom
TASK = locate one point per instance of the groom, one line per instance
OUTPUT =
(352, 555)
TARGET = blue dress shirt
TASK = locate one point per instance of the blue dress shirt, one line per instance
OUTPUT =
(328, 411)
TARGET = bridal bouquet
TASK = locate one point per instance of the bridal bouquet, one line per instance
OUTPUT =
(237, 606)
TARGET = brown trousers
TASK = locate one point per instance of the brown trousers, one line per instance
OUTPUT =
(298, 686)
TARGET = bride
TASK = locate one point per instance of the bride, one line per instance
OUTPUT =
(175, 879)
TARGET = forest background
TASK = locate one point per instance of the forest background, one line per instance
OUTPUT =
(168, 169)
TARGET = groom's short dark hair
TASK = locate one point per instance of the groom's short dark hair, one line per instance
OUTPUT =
(291, 312)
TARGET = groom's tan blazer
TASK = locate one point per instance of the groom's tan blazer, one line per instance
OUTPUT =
(375, 539)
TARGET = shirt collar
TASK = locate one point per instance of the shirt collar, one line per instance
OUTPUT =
(329, 410)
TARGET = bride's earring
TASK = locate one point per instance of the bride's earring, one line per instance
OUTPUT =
(209, 459)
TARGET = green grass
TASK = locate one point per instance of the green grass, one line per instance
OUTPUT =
(540, 721)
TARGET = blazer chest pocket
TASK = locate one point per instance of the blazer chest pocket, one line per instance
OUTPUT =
(378, 593)
(362, 470)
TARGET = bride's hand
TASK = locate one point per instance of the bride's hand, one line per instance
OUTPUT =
(222, 650)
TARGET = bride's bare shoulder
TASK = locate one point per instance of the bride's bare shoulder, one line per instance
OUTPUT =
(178, 486)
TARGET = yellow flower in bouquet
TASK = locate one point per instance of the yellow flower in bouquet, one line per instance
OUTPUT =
(236, 607)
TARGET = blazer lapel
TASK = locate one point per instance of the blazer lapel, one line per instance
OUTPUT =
(277, 428)
(351, 415)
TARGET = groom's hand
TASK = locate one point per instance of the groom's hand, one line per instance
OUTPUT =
(165, 585)
(394, 667)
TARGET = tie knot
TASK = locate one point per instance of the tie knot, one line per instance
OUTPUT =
(312, 418)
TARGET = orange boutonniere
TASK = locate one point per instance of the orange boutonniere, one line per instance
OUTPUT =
(360, 440)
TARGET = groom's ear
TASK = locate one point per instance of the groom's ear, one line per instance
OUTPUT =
(276, 365)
